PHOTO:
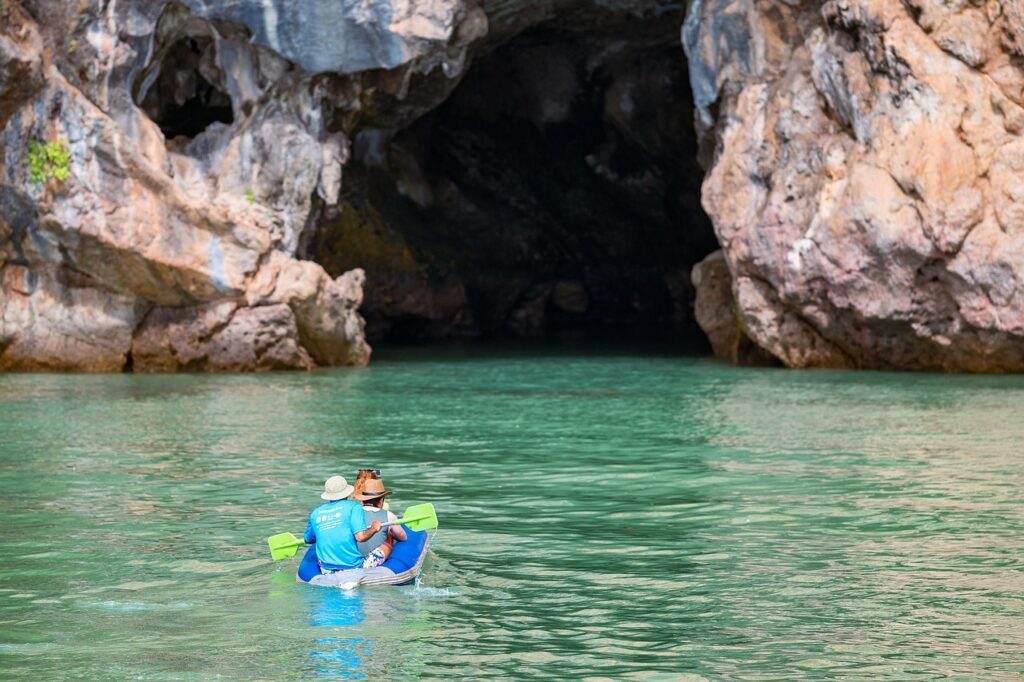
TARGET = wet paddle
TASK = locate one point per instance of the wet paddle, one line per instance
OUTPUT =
(417, 517)
(284, 545)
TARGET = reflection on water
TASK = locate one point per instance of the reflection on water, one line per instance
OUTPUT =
(336, 656)
(603, 517)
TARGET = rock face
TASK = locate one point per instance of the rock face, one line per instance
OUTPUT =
(715, 310)
(866, 178)
(172, 195)
(206, 143)
(200, 138)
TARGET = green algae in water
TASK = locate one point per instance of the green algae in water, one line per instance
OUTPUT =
(608, 516)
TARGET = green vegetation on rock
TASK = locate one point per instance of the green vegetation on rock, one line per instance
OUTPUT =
(48, 160)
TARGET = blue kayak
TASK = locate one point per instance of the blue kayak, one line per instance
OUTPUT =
(401, 568)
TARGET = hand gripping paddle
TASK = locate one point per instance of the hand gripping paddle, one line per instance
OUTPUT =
(417, 517)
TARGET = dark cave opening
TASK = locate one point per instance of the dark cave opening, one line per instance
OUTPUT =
(555, 192)
(180, 90)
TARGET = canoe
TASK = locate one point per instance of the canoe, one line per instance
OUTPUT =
(401, 568)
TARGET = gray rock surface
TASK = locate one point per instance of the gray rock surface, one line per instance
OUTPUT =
(206, 140)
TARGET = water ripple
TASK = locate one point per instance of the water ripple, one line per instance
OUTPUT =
(606, 517)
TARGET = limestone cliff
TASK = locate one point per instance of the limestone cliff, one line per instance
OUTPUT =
(172, 194)
(206, 146)
(865, 179)
(198, 137)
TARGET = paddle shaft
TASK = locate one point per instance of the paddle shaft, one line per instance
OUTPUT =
(401, 521)
(300, 543)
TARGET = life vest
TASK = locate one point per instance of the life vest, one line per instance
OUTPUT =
(378, 538)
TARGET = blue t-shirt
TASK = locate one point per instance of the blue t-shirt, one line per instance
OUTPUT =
(333, 527)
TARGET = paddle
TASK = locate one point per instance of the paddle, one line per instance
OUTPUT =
(284, 545)
(417, 517)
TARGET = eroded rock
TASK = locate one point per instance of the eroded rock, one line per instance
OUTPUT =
(219, 337)
(866, 181)
(21, 60)
(199, 140)
(53, 319)
(715, 310)
(864, 178)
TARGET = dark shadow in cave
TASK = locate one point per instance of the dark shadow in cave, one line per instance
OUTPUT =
(177, 93)
(556, 191)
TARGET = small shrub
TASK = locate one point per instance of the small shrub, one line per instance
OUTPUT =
(250, 196)
(48, 160)
(72, 46)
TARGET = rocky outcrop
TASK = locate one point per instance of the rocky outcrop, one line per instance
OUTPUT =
(219, 337)
(715, 311)
(865, 179)
(206, 144)
(21, 60)
(192, 143)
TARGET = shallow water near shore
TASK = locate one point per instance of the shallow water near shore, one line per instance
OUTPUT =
(603, 516)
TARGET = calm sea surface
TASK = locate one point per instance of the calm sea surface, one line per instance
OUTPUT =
(603, 516)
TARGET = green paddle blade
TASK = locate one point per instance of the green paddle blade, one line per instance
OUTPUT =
(283, 545)
(419, 517)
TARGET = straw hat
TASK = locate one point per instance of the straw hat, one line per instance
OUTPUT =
(336, 488)
(372, 489)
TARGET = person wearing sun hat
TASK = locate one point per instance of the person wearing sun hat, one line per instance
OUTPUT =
(337, 527)
(377, 548)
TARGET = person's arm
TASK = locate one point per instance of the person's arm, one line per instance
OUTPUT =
(358, 520)
(397, 531)
(364, 535)
(310, 535)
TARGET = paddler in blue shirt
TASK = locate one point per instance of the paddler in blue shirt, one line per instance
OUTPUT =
(338, 527)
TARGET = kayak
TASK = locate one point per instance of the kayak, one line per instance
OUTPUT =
(401, 568)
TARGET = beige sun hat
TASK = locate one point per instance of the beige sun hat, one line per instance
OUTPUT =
(372, 489)
(336, 488)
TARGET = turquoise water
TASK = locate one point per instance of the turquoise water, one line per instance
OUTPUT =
(614, 516)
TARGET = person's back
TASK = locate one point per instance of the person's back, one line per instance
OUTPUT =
(336, 528)
(332, 526)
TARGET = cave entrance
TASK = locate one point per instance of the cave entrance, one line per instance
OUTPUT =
(555, 191)
(182, 91)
